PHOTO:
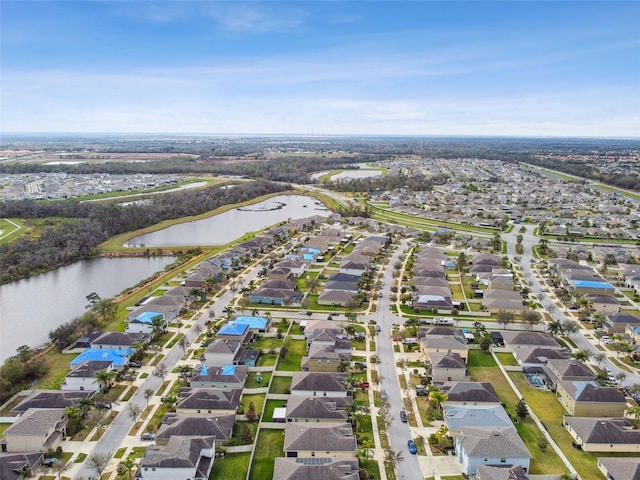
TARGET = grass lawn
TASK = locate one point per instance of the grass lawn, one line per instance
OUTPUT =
(58, 368)
(236, 434)
(372, 467)
(267, 360)
(268, 446)
(280, 385)
(480, 358)
(251, 379)
(423, 406)
(542, 462)
(258, 402)
(270, 406)
(507, 359)
(234, 466)
(296, 349)
(269, 343)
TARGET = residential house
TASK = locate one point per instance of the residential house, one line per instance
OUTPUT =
(50, 399)
(515, 472)
(538, 356)
(620, 468)
(199, 278)
(256, 324)
(448, 367)
(207, 401)
(508, 300)
(141, 321)
(433, 302)
(320, 440)
(515, 340)
(470, 393)
(324, 358)
(119, 340)
(38, 429)
(180, 457)
(118, 358)
(219, 376)
(317, 409)
(219, 427)
(595, 434)
(275, 296)
(335, 297)
(588, 399)
(460, 417)
(327, 469)
(443, 339)
(617, 322)
(83, 377)
(494, 447)
(604, 304)
(18, 465)
(566, 370)
(319, 384)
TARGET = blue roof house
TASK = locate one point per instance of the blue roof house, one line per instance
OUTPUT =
(257, 324)
(592, 286)
(118, 358)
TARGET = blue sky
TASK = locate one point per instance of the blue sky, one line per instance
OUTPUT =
(384, 67)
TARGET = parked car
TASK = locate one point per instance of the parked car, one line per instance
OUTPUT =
(360, 365)
(412, 447)
(403, 416)
(135, 365)
(363, 384)
(147, 436)
(49, 462)
(383, 394)
(378, 329)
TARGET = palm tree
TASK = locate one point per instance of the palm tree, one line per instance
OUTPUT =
(441, 436)
(635, 413)
(105, 377)
(228, 311)
(569, 327)
(158, 325)
(393, 457)
(582, 355)
(436, 398)
(128, 464)
(555, 328)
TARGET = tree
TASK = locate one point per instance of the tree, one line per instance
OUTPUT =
(485, 344)
(157, 325)
(521, 409)
(570, 326)
(582, 355)
(134, 410)
(25, 353)
(620, 377)
(441, 436)
(98, 462)
(312, 284)
(56, 468)
(228, 311)
(251, 412)
(555, 328)
(542, 443)
(161, 371)
(479, 328)
(635, 413)
(532, 317)
(148, 393)
(436, 398)
(392, 457)
(183, 343)
(599, 358)
(462, 262)
(246, 435)
(504, 318)
(105, 377)
(74, 420)
(128, 465)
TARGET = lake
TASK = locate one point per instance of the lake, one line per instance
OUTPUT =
(32, 307)
(233, 224)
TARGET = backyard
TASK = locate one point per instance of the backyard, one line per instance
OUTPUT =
(269, 445)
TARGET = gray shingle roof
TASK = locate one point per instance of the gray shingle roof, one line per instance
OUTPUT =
(604, 430)
(319, 437)
(318, 381)
(495, 442)
(36, 421)
(180, 424)
(470, 392)
(179, 452)
(622, 468)
(51, 399)
(330, 469)
(318, 407)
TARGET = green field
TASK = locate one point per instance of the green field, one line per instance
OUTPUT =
(269, 445)
(233, 466)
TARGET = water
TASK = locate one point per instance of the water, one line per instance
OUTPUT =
(356, 174)
(231, 225)
(30, 308)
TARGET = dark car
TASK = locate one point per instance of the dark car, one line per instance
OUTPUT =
(403, 416)
(50, 462)
(412, 447)
(147, 436)
(102, 405)
(135, 364)
(383, 394)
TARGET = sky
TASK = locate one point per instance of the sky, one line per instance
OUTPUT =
(506, 68)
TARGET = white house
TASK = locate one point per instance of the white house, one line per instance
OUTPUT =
(181, 457)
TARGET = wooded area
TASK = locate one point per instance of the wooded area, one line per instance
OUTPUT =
(78, 228)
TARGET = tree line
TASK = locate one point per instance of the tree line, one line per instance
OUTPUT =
(414, 183)
(73, 230)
